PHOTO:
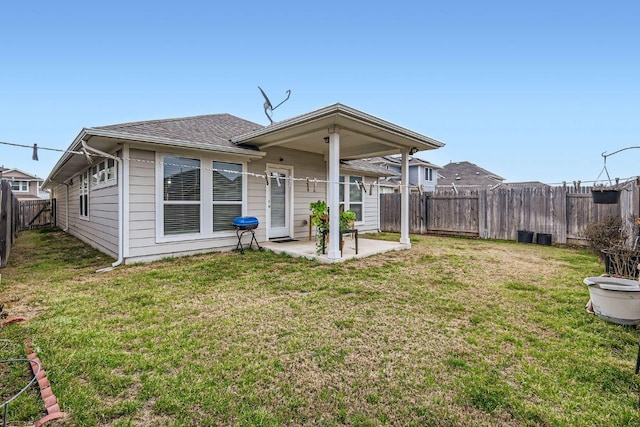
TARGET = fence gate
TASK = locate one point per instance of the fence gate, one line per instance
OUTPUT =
(37, 214)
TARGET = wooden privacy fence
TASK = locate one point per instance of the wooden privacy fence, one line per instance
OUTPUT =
(9, 210)
(37, 213)
(562, 212)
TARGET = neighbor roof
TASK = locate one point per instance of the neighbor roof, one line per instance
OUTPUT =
(397, 161)
(526, 184)
(18, 174)
(466, 174)
(364, 166)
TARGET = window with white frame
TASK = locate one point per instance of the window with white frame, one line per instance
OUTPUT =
(181, 195)
(20, 186)
(351, 199)
(104, 173)
(84, 194)
(428, 174)
(226, 194)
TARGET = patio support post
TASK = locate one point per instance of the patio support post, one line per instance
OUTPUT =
(334, 194)
(404, 200)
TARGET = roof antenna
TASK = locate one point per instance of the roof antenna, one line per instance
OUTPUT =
(268, 108)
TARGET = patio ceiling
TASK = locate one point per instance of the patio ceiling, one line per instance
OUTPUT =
(361, 135)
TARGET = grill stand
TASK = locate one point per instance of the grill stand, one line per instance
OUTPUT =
(240, 231)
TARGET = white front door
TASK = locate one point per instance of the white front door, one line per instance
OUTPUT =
(279, 202)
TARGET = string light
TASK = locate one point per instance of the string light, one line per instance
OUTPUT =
(315, 181)
(37, 147)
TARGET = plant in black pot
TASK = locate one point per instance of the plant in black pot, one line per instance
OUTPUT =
(606, 195)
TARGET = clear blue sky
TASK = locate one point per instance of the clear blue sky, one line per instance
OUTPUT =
(528, 90)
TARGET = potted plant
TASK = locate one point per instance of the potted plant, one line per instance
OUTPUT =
(609, 239)
(320, 219)
(347, 220)
(602, 195)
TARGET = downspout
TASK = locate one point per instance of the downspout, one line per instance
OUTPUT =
(121, 207)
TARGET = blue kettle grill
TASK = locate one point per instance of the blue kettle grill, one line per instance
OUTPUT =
(246, 224)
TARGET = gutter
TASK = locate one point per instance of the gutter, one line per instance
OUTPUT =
(120, 259)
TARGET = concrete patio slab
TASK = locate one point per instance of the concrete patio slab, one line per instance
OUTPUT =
(307, 248)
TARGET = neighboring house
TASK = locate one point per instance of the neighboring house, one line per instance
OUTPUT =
(466, 175)
(172, 187)
(421, 173)
(24, 185)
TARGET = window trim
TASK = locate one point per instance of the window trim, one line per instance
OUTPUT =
(20, 184)
(84, 191)
(240, 203)
(347, 195)
(104, 180)
(206, 198)
(428, 174)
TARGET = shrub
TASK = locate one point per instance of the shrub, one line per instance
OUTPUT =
(608, 239)
(608, 234)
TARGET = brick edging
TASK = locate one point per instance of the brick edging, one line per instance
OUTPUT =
(10, 321)
(50, 400)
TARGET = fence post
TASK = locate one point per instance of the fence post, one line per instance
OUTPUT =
(561, 224)
(482, 214)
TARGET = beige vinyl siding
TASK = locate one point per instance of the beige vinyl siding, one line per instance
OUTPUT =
(304, 165)
(32, 183)
(142, 202)
(143, 242)
(100, 230)
(414, 175)
(33, 188)
(59, 192)
(313, 167)
(371, 205)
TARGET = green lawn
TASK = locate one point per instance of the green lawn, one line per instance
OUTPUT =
(454, 332)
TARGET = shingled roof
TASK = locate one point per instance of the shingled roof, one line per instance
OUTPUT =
(466, 174)
(397, 161)
(215, 129)
(364, 166)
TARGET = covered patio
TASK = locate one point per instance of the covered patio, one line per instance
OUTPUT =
(340, 133)
(307, 249)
